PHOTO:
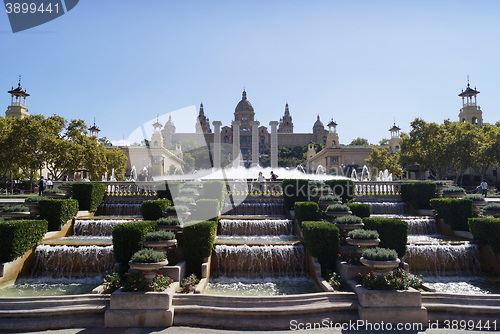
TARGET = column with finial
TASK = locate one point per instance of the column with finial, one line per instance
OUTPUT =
(236, 143)
(255, 143)
(274, 144)
(217, 149)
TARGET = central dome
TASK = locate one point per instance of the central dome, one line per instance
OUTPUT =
(244, 104)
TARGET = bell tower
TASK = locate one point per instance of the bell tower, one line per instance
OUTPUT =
(17, 106)
(395, 139)
(470, 111)
(332, 140)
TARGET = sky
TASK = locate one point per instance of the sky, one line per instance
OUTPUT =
(366, 64)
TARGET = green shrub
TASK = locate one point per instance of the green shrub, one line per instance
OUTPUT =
(34, 199)
(88, 194)
(187, 200)
(188, 191)
(454, 211)
(453, 190)
(322, 241)
(148, 255)
(15, 208)
(170, 221)
(330, 198)
(342, 188)
(196, 184)
(360, 210)
(57, 212)
(486, 231)
(380, 254)
(363, 234)
(53, 191)
(492, 207)
(393, 233)
(418, 194)
(348, 220)
(167, 190)
(206, 209)
(397, 279)
(294, 190)
(189, 283)
(154, 209)
(337, 208)
(128, 237)
(198, 243)
(177, 208)
(474, 197)
(67, 184)
(306, 211)
(215, 190)
(159, 236)
(440, 183)
(18, 236)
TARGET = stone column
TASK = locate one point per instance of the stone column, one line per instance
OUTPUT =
(255, 143)
(236, 143)
(274, 144)
(216, 151)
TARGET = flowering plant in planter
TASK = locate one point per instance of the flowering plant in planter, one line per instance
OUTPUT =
(112, 281)
(335, 280)
(397, 279)
(160, 283)
(137, 282)
(189, 283)
(351, 258)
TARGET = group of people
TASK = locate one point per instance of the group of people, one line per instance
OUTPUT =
(273, 177)
(44, 184)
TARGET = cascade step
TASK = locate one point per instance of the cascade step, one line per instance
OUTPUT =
(38, 324)
(39, 302)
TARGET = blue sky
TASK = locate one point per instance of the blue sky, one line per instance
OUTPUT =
(362, 63)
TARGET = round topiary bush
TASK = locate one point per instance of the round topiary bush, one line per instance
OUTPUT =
(474, 197)
(53, 191)
(330, 198)
(492, 207)
(159, 236)
(363, 234)
(453, 190)
(15, 208)
(34, 199)
(337, 208)
(169, 221)
(349, 220)
(148, 255)
(380, 254)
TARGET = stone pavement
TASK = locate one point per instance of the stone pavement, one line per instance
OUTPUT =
(196, 330)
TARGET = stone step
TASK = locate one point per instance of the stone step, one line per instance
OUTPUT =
(39, 324)
(462, 309)
(54, 311)
(51, 301)
(455, 299)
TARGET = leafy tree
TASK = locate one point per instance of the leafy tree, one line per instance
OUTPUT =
(105, 142)
(117, 160)
(384, 142)
(488, 150)
(380, 160)
(360, 142)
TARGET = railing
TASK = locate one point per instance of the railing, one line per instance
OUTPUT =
(377, 188)
(126, 188)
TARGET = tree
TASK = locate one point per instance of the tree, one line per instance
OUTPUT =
(384, 142)
(105, 142)
(380, 160)
(488, 150)
(359, 142)
(467, 138)
(431, 146)
(117, 160)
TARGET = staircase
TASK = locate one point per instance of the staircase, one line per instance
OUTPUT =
(273, 312)
(52, 312)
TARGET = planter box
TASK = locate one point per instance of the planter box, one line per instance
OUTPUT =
(349, 272)
(141, 309)
(390, 306)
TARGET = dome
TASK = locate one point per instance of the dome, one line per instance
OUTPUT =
(318, 123)
(244, 104)
(169, 122)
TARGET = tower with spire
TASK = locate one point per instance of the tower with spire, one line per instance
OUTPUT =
(470, 111)
(202, 122)
(394, 145)
(94, 130)
(17, 106)
(286, 125)
(332, 140)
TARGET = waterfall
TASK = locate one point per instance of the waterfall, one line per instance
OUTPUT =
(420, 225)
(255, 227)
(96, 227)
(387, 207)
(287, 260)
(272, 209)
(65, 260)
(119, 209)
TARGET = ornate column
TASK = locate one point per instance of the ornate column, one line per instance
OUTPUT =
(217, 156)
(255, 143)
(274, 144)
(236, 143)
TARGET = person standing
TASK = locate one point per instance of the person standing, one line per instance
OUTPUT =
(260, 179)
(484, 188)
(41, 186)
(50, 184)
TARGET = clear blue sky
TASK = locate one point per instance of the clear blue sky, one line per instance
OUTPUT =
(362, 63)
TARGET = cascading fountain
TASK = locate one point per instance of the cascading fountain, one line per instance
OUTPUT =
(119, 209)
(245, 208)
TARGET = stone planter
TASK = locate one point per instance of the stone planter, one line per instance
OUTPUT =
(16, 215)
(173, 228)
(335, 214)
(55, 196)
(33, 207)
(66, 189)
(477, 205)
(141, 309)
(149, 269)
(453, 195)
(380, 268)
(181, 215)
(439, 190)
(362, 243)
(161, 244)
(324, 205)
(349, 227)
(390, 306)
(495, 214)
(348, 272)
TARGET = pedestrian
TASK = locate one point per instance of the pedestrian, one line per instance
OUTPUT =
(484, 188)
(274, 177)
(260, 179)
(41, 186)
(50, 184)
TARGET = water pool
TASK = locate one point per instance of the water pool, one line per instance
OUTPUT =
(48, 286)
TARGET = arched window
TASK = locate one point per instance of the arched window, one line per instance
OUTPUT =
(244, 141)
(474, 120)
(226, 139)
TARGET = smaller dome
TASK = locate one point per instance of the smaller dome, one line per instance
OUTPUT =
(318, 123)
(169, 122)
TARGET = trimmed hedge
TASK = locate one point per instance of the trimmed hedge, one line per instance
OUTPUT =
(168, 190)
(154, 209)
(322, 241)
(486, 231)
(88, 194)
(360, 210)
(18, 236)
(128, 238)
(454, 212)
(215, 190)
(418, 194)
(306, 211)
(393, 233)
(198, 243)
(57, 212)
(207, 209)
(342, 188)
(294, 190)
